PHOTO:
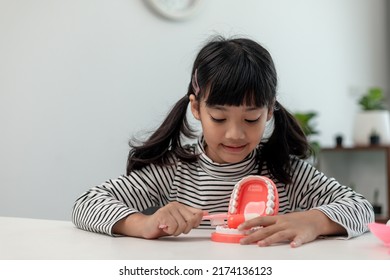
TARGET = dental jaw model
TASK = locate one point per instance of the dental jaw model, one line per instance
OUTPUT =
(252, 197)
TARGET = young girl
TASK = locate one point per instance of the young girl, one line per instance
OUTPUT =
(232, 94)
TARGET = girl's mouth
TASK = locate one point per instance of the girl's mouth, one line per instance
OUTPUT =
(234, 149)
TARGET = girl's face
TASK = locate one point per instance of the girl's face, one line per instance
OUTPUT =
(230, 132)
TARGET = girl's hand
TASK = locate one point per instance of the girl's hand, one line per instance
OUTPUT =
(172, 219)
(297, 228)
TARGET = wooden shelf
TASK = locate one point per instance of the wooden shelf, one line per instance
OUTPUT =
(367, 149)
(356, 148)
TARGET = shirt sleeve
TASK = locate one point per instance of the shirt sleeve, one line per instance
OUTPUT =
(311, 189)
(99, 208)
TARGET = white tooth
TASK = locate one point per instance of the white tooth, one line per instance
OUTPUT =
(269, 211)
(270, 204)
(270, 196)
(234, 198)
(225, 230)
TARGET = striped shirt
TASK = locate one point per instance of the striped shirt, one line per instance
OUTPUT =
(207, 185)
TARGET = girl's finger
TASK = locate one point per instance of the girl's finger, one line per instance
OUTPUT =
(257, 222)
(296, 242)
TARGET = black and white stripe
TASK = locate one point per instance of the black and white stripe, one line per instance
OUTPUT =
(208, 185)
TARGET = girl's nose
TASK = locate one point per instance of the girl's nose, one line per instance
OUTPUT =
(235, 131)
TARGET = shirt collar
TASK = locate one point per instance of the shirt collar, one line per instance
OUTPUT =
(226, 171)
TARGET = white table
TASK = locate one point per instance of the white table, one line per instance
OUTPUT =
(25, 239)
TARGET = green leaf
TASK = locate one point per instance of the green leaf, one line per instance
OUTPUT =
(373, 100)
(306, 122)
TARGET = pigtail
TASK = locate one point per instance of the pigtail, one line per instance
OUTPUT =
(287, 140)
(166, 138)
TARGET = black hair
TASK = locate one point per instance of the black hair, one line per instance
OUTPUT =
(232, 72)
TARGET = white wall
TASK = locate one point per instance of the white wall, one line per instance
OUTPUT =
(78, 78)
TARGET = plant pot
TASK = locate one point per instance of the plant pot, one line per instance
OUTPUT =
(375, 139)
(368, 122)
(339, 141)
(377, 209)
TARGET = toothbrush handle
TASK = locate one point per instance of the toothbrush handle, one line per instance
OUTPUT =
(215, 216)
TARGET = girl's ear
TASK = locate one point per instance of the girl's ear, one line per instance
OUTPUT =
(270, 113)
(194, 107)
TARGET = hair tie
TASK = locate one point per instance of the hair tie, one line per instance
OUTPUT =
(276, 106)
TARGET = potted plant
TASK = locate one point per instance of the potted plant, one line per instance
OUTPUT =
(372, 123)
(307, 123)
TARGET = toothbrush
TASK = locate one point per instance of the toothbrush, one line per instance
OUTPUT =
(233, 220)
(216, 219)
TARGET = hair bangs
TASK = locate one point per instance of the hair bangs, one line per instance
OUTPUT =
(237, 82)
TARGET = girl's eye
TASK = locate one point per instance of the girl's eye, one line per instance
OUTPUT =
(253, 121)
(217, 120)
